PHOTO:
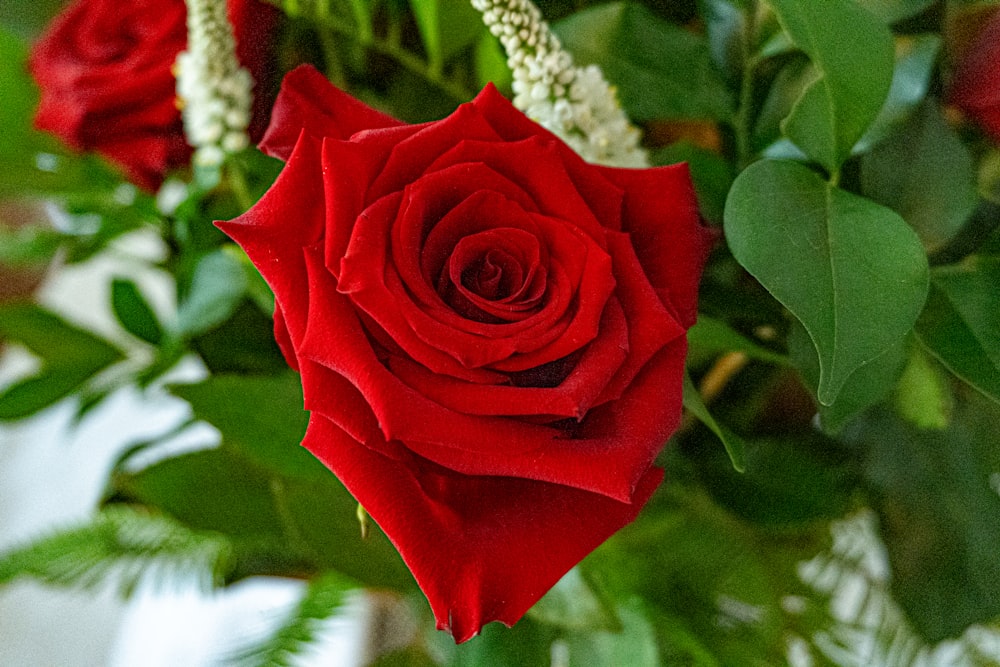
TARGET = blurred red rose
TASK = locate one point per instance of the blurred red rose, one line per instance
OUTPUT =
(104, 70)
(975, 85)
(490, 332)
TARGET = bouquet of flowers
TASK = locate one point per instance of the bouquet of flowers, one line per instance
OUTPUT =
(645, 329)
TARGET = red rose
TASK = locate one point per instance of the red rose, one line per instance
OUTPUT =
(975, 87)
(490, 332)
(104, 69)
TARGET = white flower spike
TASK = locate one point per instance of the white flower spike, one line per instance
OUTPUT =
(213, 90)
(575, 103)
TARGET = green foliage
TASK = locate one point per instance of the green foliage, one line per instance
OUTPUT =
(838, 262)
(733, 444)
(852, 55)
(960, 324)
(323, 598)
(69, 356)
(123, 546)
(925, 484)
(660, 70)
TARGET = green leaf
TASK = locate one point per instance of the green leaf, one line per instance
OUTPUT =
(923, 396)
(891, 11)
(939, 514)
(573, 605)
(491, 63)
(659, 69)
(634, 644)
(125, 546)
(322, 599)
(916, 56)
(733, 444)
(712, 336)
(924, 173)
(850, 270)
(260, 416)
(217, 287)
(961, 322)
(70, 356)
(446, 27)
(134, 312)
(866, 386)
(852, 53)
(209, 489)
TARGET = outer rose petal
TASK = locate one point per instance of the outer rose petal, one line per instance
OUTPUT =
(498, 543)
(308, 101)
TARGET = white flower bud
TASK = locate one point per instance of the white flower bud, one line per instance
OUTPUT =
(214, 92)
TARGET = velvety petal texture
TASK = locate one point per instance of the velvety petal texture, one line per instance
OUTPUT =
(104, 69)
(490, 332)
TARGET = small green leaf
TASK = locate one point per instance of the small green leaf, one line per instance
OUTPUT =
(134, 312)
(961, 323)
(733, 444)
(659, 69)
(710, 335)
(923, 396)
(851, 271)
(852, 53)
(446, 27)
(217, 286)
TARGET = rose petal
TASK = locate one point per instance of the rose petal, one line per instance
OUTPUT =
(661, 216)
(570, 398)
(308, 101)
(476, 559)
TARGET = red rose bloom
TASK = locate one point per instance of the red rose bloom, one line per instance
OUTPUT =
(105, 72)
(490, 332)
(975, 87)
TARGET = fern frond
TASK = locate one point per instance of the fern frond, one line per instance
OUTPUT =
(122, 546)
(322, 599)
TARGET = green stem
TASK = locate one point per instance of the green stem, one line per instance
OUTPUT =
(744, 114)
(238, 184)
(389, 47)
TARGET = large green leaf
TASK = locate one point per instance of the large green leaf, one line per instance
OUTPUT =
(925, 174)
(69, 356)
(850, 270)
(939, 514)
(261, 416)
(961, 324)
(659, 69)
(852, 54)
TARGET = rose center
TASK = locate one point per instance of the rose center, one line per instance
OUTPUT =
(495, 275)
